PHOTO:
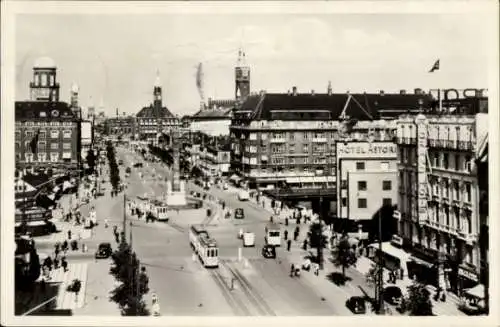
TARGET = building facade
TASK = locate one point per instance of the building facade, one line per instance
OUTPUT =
(121, 125)
(439, 219)
(367, 173)
(155, 119)
(47, 133)
(215, 119)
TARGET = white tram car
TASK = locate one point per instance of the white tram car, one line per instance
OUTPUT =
(159, 210)
(204, 246)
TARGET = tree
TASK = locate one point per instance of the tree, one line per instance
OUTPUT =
(133, 282)
(419, 302)
(91, 160)
(317, 239)
(344, 255)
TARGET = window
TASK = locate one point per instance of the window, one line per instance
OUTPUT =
(386, 202)
(361, 185)
(41, 144)
(253, 136)
(457, 162)
(263, 136)
(344, 202)
(291, 149)
(18, 134)
(42, 134)
(54, 134)
(292, 161)
(386, 185)
(292, 136)
(445, 161)
(467, 164)
(66, 146)
(360, 165)
(445, 187)
(362, 204)
(29, 134)
(332, 147)
(343, 184)
(306, 135)
(306, 160)
(435, 159)
(42, 157)
(305, 148)
(54, 146)
(468, 195)
(18, 145)
(384, 166)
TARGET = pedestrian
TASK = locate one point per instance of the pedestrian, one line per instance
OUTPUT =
(292, 270)
(304, 245)
(288, 245)
(49, 262)
(286, 221)
(57, 248)
(285, 234)
(69, 234)
(56, 262)
(64, 264)
(271, 219)
(316, 269)
(106, 223)
(295, 235)
(65, 246)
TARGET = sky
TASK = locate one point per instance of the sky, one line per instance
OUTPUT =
(114, 58)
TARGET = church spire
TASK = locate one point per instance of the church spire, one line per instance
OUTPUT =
(157, 80)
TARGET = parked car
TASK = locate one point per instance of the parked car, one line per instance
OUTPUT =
(356, 304)
(269, 251)
(393, 295)
(104, 251)
(138, 165)
(120, 162)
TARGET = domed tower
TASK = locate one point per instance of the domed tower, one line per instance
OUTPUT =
(44, 86)
(157, 91)
(74, 95)
(242, 78)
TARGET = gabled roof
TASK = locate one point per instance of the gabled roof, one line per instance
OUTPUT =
(41, 110)
(154, 111)
(279, 106)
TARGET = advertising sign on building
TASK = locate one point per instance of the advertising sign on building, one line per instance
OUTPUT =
(86, 132)
(366, 150)
(421, 123)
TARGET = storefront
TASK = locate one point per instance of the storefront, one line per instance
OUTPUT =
(424, 266)
(394, 258)
(467, 277)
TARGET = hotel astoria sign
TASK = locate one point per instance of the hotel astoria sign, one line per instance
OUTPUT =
(421, 123)
(366, 149)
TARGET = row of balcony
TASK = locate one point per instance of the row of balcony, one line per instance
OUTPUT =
(458, 232)
(436, 143)
(285, 140)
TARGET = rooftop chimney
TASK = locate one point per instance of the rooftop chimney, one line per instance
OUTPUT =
(312, 92)
(288, 92)
(329, 90)
(402, 92)
(382, 92)
(418, 91)
(294, 91)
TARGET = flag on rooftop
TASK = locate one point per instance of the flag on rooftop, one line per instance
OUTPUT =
(435, 66)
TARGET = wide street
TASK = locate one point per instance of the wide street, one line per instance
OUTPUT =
(185, 288)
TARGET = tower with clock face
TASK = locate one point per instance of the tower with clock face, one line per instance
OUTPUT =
(44, 86)
(157, 92)
(242, 79)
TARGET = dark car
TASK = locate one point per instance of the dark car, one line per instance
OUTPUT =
(269, 251)
(239, 213)
(128, 170)
(393, 295)
(356, 304)
(104, 251)
(138, 165)
(120, 162)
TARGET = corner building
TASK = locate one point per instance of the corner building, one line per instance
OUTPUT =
(438, 215)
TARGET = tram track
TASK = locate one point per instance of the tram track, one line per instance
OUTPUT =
(259, 304)
(238, 307)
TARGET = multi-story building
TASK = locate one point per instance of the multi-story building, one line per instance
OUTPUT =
(367, 174)
(121, 125)
(292, 138)
(155, 119)
(47, 133)
(215, 119)
(438, 215)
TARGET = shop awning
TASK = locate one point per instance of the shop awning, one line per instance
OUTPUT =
(393, 251)
(476, 291)
(421, 262)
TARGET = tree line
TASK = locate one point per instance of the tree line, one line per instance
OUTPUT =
(114, 172)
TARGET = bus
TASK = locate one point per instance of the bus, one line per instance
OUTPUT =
(204, 246)
(273, 234)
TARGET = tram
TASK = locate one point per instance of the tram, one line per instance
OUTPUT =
(204, 246)
(159, 210)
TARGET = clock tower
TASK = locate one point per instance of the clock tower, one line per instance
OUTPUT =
(157, 102)
(44, 86)
(242, 79)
